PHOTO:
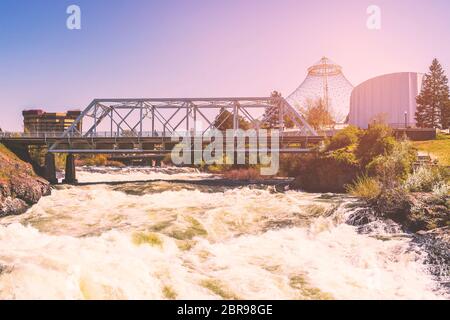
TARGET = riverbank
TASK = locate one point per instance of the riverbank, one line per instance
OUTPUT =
(20, 187)
(384, 173)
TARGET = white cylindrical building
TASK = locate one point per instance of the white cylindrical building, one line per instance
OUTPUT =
(390, 99)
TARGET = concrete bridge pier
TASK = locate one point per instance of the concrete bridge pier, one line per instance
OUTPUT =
(70, 177)
(50, 168)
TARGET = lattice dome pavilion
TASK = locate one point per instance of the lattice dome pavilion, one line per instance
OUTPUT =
(325, 80)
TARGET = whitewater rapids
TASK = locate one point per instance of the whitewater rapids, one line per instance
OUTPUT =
(165, 240)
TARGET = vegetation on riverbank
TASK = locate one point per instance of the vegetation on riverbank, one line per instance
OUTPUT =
(349, 154)
(100, 160)
(373, 166)
(37, 155)
(236, 171)
(438, 149)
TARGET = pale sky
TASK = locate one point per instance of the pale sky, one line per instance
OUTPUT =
(193, 48)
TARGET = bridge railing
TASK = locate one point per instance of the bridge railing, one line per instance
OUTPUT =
(39, 135)
(146, 134)
(43, 135)
(403, 126)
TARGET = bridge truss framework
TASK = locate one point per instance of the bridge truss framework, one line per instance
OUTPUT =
(140, 120)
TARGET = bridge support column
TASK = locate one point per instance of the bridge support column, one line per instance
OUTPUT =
(70, 177)
(50, 168)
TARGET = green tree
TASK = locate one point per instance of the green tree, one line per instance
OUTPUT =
(433, 101)
(317, 114)
(446, 116)
(272, 115)
(344, 138)
(224, 121)
(377, 140)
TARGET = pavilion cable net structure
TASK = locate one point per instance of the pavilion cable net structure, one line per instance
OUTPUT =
(326, 81)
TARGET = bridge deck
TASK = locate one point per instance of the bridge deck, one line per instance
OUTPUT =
(287, 143)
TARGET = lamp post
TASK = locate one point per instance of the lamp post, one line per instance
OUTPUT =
(406, 119)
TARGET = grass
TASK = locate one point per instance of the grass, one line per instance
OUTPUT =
(8, 153)
(11, 165)
(364, 187)
(439, 148)
(218, 288)
(140, 238)
(4, 175)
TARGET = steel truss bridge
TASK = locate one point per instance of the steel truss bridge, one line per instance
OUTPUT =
(155, 126)
(133, 126)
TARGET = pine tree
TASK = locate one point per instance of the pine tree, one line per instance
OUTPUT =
(433, 101)
(224, 121)
(446, 116)
(272, 115)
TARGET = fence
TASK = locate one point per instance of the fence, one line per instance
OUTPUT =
(123, 134)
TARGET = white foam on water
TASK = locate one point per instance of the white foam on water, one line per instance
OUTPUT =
(79, 243)
(111, 174)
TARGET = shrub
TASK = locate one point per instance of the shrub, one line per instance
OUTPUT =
(344, 138)
(327, 173)
(424, 179)
(374, 153)
(244, 174)
(377, 140)
(393, 168)
(290, 164)
(393, 203)
(441, 190)
(445, 172)
(366, 188)
(344, 156)
(97, 160)
(218, 168)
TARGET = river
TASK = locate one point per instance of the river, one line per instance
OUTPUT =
(166, 240)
